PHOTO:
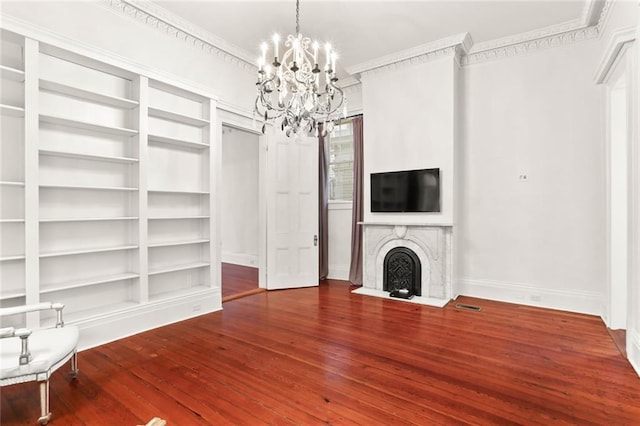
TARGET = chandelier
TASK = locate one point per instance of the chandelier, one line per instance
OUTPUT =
(289, 88)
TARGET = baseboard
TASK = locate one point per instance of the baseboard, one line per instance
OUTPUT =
(584, 302)
(338, 272)
(116, 325)
(633, 350)
(243, 259)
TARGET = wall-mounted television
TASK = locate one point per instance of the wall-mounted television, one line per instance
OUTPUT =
(408, 191)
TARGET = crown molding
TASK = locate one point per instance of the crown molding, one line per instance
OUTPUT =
(591, 12)
(446, 52)
(418, 53)
(615, 46)
(149, 13)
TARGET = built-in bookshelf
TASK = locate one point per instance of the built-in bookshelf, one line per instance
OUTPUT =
(12, 172)
(104, 185)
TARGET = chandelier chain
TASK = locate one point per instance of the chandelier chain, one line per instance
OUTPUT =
(297, 17)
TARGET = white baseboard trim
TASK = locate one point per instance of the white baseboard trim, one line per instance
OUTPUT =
(243, 259)
(584, 302)
(116, 325)
(633, 350)
(338, 272)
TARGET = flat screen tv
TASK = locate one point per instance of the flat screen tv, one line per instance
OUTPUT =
(408, 191)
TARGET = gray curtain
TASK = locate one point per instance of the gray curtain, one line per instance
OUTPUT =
(323, 205)
(355, 269)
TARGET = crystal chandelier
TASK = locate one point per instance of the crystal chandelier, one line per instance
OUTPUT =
(289, 89)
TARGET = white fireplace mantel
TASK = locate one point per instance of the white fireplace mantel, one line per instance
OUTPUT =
(431, 242)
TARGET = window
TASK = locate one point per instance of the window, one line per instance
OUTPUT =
(341, 162)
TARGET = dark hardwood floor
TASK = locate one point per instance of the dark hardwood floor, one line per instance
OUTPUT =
(238, 281)
(326, 356)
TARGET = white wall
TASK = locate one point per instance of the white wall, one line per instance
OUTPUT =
(239, 192)
(542, 241)
(409, 124)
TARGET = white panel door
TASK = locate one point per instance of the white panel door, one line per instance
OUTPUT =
(292, 211)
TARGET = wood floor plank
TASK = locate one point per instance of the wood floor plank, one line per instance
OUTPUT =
(326, 356)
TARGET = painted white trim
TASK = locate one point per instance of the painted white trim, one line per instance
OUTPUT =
(110, 327)
(424, 50)
(591, 12)
(243, 259)
(633, 350)
(585, 302)
(619, 39)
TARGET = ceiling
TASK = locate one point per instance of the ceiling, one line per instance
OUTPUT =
(363, 31)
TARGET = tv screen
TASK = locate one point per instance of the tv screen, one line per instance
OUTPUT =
(406, 191)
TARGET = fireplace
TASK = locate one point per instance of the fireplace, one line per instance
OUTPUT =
(408, 258)
(402, 275)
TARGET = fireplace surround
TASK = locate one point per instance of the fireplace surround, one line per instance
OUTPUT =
(431, 245)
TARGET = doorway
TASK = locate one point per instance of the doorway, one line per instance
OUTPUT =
(239, 191)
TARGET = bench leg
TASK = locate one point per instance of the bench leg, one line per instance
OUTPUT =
(74, 365)
(44, 403)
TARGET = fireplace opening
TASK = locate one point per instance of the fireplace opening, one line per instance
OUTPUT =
(402, 273)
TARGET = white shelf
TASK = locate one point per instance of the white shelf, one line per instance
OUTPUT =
(85, 125)
(179, 293)
(14, 294)
(178, 243)
(11, 183)
(87, 251)
(11, 258)
(177, 217)
(96, 188)
(173, 191)
(87, 282)
(177, 142)
(11, 220)
(88, 219)
(92, 157)
(13, 74)
(11, 110)
(179, 118)
(95, 97)
(176, 268)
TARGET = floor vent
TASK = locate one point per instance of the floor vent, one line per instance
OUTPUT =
(468, 307)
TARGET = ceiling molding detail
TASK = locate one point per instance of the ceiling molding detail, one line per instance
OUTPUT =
(618, 41)
(531, 46)
(419, 52)
(591, 12)
(151, 14)
(447, 52)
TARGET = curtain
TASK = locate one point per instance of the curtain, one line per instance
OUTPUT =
(355, 268)
(323, 205)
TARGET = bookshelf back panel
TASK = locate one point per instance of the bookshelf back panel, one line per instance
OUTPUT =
(172, 129)
(12, 278)
(12, 149)
(57, 271)
(12, 93)
(160, 257)
(83, 77)
(11, 202)
(61, 138)
(176, 281)
(63, 236)
(164, 204)
(163, 231)
(58, 203)
(73, 171)
(11, 240)
(177, 169)
(59, 105)
(11, 50)
(183, 105)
